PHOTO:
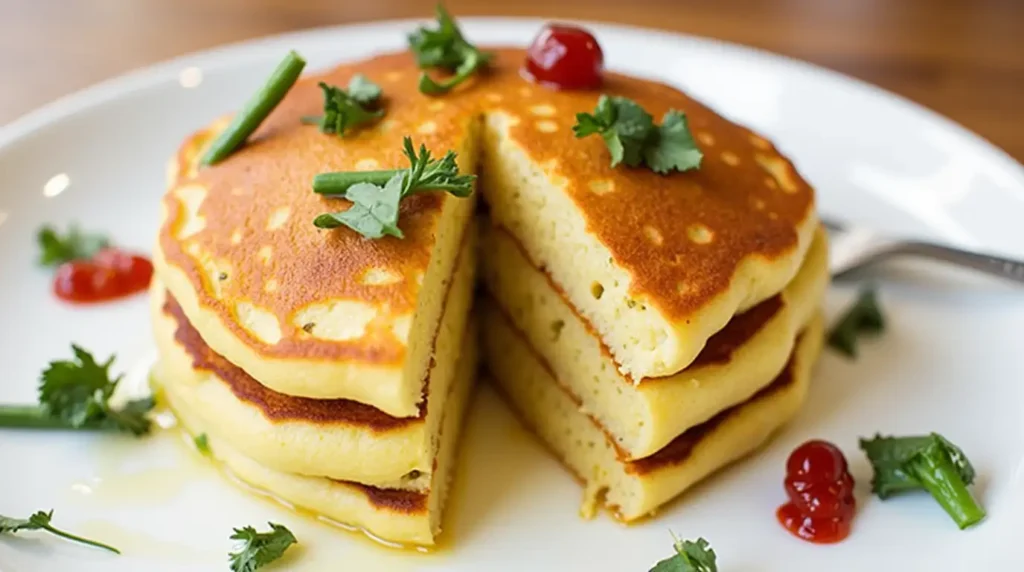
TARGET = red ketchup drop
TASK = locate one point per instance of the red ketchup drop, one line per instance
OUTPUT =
(109, 275)
(820, 490)
(564, 57)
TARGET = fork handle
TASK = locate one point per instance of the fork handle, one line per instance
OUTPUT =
(987, 263)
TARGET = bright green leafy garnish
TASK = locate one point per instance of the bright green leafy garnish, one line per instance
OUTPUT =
(347, 109)
(689, 557)
(633, 138)
(202, 443)
(927, 462)
(863, 317)
(75, 394)
(257, 549)
(41, 521)
(375, 195)
(445, 48)
(74, 245)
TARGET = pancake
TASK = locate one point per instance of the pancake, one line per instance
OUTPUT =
(335, 438)
(402, 516)
(310, 312)
(644, 417)
(656, 263)
(633, 489)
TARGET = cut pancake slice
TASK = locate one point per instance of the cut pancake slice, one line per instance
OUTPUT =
(334, 438)
(633, 489)
(309, 312)
(644, 416)
(394, 515)
(657, 263)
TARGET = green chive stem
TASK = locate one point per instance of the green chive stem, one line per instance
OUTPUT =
(338, 183)
(256, 109)
(939, 477)
(29, 417)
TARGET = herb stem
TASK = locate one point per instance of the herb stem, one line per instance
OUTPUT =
(338, 183)
(938, 475)
(29, 417)
(74, 538)
(256, 109)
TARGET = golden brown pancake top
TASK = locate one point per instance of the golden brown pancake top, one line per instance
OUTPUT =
(277, 406)
(745, 197)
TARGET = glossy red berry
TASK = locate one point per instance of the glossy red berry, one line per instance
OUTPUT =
(564, 57)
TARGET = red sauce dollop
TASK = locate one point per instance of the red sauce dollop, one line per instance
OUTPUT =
(109, 275)
(564, 57)
(820, 489)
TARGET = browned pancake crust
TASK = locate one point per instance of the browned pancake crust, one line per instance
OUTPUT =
(731, 195)
(394, 500)
(277, 406)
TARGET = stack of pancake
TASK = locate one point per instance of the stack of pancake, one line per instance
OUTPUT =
(649, 329)
(324, 368)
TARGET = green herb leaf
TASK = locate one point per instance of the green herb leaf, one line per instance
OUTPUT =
(863, 317)
(202, 443)
(632, 137)
(689, 557)
(445, 48)
(363, 91)
(75, 245)
(928, 462)
(258, 549)
(375, 195)
(41, 521)
(343, 111)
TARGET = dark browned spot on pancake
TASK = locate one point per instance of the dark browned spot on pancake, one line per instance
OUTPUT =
(680, 448)
(395, 500)
(717, 351)
(277, 406)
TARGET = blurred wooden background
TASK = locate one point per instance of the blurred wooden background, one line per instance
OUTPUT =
(962, 58)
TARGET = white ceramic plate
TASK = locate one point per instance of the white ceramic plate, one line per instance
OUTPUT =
(950, 361)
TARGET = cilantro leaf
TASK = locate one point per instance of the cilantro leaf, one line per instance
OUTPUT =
(632, 137)
(375, 195)
(257, 549)
(689, 557)
(863, 317)
(75, 245)
(41, 521)
(445, 47)
(344, 111)
(363, 91)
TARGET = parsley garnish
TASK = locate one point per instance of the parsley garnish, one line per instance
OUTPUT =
(259, 548)
(927, 462)
(689, 557)
(445, 48)
(41, 521)
(633, 138)
(346, 109)
(202, 443)
(863, 317)
(75, 245)
(76, 394)
(375, 195)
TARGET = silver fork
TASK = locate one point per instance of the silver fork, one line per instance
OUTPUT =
(853, 248)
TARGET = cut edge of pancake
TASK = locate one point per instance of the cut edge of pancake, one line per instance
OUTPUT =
(405, 517)
(644, 417)
(634, 489)
(401, 456)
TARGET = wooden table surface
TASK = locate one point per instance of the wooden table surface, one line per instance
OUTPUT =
(962, 58)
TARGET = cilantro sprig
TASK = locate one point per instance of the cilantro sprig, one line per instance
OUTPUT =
(633, 138)
(257, 549)
(689, 557)
(345, 109)
(929, 462)
(445, 47)
(375, 195)
(863, 317)
(56, 248)
(41, 521)
(75, 394)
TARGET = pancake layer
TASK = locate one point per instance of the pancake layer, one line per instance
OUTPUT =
(657, 264)
(402, 516)
(644, 416)
(633, 489)
(336, 438)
